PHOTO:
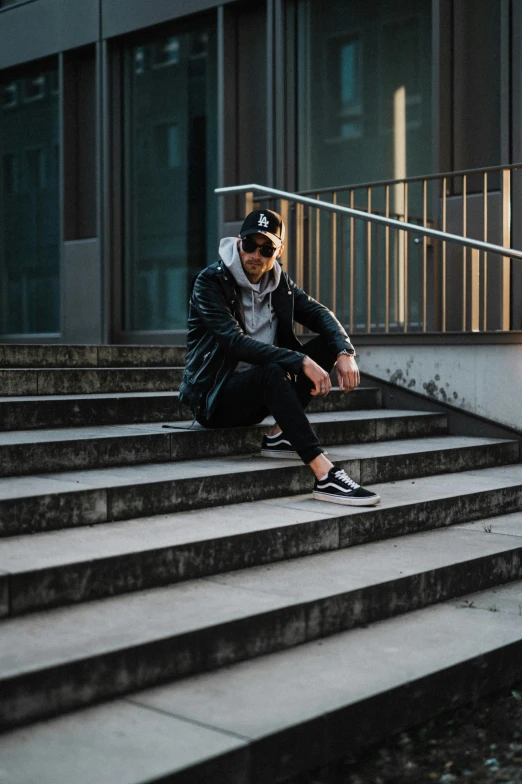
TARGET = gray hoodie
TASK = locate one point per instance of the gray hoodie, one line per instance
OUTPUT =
(260, 320)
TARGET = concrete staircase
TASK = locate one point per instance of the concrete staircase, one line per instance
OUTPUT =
(175, 608)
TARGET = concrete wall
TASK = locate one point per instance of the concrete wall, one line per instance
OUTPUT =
(483, 379)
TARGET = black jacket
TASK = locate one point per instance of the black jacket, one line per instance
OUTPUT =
(217, 338)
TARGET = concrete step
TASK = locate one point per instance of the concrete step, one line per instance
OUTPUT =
(86, 563)
(58, 356)
(62, 500)
(29, 451)
(87, 381)
(277, 716)
(57, 411)
(65, 658)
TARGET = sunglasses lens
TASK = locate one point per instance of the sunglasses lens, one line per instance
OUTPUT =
(249, 246)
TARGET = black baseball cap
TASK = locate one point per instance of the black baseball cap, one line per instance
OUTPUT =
(264, 222)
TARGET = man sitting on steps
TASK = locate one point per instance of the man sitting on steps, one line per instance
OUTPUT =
(245, 362)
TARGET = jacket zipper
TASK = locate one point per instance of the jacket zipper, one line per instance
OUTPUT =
(214, 384)
(202, 368)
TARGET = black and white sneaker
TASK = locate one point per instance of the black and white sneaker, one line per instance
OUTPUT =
(338, 488)
(278, 446)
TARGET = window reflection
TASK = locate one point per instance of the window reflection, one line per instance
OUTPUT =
(34, 88)
(401, 72)
(365, 114)
(166, 53)
(170, 132)
(29, 223)
(345, 79)
(10, 95)
(199, 45)
(167, 146)
(160, 54)
(10, 174)
(353, 57)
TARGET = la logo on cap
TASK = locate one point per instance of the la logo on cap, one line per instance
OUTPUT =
(263, 221)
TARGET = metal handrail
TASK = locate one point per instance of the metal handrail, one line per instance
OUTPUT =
(416, 178)
(444, 236)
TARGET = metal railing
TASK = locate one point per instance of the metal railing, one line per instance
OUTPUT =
(381, 273)
(445, 200)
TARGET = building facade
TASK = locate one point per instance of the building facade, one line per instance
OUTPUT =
(118, 120)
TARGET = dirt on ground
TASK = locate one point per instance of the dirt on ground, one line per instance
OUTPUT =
(480, 743)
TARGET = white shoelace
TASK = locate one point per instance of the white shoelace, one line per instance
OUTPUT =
(343, 477)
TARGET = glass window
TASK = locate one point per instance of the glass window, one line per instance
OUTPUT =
(139, 59)
(364, 114)
(359, 64)
(167, 146)
(170, 207)
(10, 95)
(199, 45)
(403, 35)
(345, 76)
(36, 168)
(34, 88)
(10, 174)
(165, 53)
(29, 214)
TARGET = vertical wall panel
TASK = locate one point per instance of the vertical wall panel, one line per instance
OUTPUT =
(80, 181)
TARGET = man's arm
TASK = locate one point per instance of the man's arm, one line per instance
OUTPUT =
(347, 373)
(318, 318)
(210, 302)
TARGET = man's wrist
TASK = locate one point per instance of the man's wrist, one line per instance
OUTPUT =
(347, 352)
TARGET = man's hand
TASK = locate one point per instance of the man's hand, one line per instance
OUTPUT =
(347, 373)
(319, 377)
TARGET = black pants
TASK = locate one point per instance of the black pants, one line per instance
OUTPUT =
(248, 397)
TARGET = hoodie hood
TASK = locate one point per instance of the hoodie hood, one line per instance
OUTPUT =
(256, 298)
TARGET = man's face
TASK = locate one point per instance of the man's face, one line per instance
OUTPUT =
(254, 264)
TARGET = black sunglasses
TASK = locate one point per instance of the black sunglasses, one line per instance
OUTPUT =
(250, 246)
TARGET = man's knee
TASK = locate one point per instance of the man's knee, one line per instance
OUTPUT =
(273, 373)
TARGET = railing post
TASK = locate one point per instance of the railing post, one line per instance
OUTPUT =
(444, 254)
(475, 290)
(333, 255)
(299, 245)
(369, 265)
(464, 251)
(505, 295)
(406, 262)
(249, 202)
(424, 257)
(284, 212)
(485, 257)
(317, 252)
(352, 263)
(387, 261)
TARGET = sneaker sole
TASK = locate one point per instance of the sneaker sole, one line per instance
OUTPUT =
(346, 501)
(280, 455)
